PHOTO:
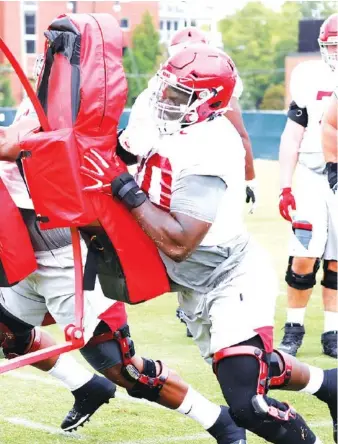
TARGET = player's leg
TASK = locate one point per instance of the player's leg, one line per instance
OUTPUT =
(329, 281)
(24, 302)
(242, 374)
(18, 337)
(330, 303)
(152, 380)
(241, 312)
(300, 278)
(288, 373)
(305, 249)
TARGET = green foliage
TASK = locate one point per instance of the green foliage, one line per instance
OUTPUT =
(141, 61)
(273, 98)
(258, 39)
(318, 9)
(6, 98)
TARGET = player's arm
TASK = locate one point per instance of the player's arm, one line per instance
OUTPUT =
(193, 209)
(330, 140)
(288, 156)
(329, 130)
(290, 143)
(235, 116)
(10, 137)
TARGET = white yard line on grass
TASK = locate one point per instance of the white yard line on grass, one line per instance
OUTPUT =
(42, 427)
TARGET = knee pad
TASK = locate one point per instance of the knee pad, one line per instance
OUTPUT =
(258, 401)
(301, 281)
(148, 385)
(329, 277)
(15, 335)
(280, 369)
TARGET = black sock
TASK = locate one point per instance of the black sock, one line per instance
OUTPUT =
(225, 430)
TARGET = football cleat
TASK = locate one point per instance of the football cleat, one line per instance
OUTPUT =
(181, 316)
(88, 399)
(328, 394)
(293, 338)
(329, 343)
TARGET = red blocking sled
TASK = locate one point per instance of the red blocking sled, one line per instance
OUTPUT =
(80, 97)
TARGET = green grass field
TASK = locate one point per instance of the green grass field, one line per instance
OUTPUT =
(33, 405)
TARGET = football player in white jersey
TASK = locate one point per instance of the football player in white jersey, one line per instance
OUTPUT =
(330, 141)
(314, 235)
(181, 39)
(187, 196)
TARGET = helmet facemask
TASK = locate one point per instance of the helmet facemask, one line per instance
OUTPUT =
(329, 51)
(38, 66)
(174, 104)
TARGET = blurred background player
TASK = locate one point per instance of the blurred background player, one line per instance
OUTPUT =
(314, 236)
(330, 141)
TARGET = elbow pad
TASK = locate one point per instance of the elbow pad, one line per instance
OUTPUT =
(297, 114)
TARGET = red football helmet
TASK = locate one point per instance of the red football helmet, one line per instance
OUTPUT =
(328, 41)
(185, 37)
(194, 85)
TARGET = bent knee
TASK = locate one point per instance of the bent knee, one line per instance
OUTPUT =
(303, 265)
(332, 266)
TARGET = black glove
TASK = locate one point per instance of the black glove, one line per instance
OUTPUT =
(332, 175)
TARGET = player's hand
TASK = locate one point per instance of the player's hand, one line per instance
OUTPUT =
(251, 194)
(287, 203)
(332, 175)
(99, 173)
(10, 137)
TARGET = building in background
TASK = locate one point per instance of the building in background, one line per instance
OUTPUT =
(177, 14)
(308, 49)
(22, 24)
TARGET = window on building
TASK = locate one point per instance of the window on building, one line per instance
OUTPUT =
(161, 24)
(193, 22)
(29, 15)
(176, 25)
(168, 25)
(72, 7)
(30, 47)
(124, 23)
(30, 18)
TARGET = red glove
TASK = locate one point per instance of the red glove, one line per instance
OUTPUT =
(100, 171)
(286, 202)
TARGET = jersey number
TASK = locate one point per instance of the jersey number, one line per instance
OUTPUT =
(157, 180)
(323, 95)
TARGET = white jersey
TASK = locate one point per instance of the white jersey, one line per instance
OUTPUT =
(312, 83)
(9, 172)
(141, 131)
(211, 148)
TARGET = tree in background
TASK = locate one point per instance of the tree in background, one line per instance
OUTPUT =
(318, 9)
(273, 98)
(6, 98)
(142, 59)
(259, 38)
